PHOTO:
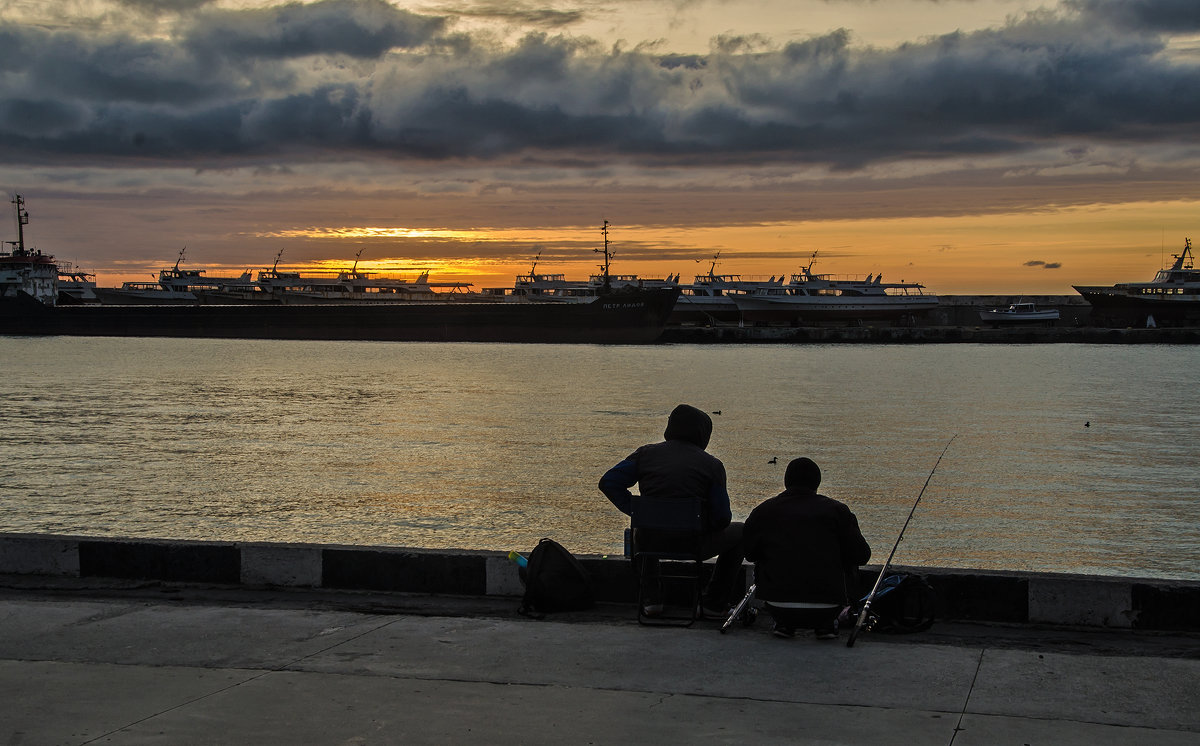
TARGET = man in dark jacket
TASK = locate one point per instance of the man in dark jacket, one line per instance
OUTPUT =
(680, 467)
(806, 550)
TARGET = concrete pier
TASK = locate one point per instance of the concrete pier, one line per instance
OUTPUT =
(286, 644)
(963, 595)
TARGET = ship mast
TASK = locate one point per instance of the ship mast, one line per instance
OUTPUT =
(808, 270)
(1183, 260)
(712, 268)
(608, 255)
(22, 221)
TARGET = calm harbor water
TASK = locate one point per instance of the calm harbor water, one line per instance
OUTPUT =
(1067, 458)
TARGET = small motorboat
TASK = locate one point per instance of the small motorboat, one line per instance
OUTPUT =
(1018, 313)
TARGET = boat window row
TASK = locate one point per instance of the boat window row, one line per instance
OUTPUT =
(1170, 291)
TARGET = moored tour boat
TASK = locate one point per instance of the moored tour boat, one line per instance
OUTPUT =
(75, 285)
(812, 297)
(276, 286)
(174, 286)
(709, 299)
(1172, 298)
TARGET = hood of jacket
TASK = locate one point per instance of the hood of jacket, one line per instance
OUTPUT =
(689, 424)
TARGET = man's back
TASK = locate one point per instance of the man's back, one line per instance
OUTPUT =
(678, 469)
(803, 543)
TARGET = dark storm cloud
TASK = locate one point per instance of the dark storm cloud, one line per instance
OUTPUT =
(1169, 16)
(361, 76)
(357, 28)
(538, 17)
(165, 6)
(117, 70)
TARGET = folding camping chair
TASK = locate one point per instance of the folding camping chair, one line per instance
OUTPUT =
(666, 540)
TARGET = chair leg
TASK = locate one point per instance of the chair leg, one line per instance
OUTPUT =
(675, 578)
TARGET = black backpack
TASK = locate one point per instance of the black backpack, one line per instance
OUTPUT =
(903, 603)
(554, 581)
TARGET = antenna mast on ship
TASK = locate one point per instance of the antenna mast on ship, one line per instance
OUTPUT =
(712, 268)
(811, 261)
(608, 255)
(22, 221)
(1183, 260)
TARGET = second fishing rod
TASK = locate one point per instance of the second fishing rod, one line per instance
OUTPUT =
(864, 613)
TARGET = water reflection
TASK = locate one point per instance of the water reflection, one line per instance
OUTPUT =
(495, 446)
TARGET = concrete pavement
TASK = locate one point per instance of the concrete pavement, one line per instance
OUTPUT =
(127, 663)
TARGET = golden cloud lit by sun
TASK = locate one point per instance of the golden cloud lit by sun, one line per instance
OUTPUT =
(378, 232)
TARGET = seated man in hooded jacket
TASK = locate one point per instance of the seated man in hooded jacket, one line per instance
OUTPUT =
(680, 467)
(806, 550)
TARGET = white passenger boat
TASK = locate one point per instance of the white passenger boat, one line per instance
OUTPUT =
(710, 297)
(75, 285)
(276, 286)
(812, 297)
(542, 287)
(175, 286)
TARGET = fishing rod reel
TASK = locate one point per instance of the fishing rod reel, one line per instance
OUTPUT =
(851, 614)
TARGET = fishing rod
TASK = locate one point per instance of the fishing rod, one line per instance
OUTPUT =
(866, 609)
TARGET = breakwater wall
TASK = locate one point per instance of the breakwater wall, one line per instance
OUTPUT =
(955, 319)
(927, 334)
(963, 595)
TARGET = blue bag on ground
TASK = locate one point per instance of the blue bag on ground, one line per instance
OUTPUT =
(555, 581)
(903, 603)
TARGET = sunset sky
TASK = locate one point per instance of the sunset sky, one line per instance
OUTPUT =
(974, 146)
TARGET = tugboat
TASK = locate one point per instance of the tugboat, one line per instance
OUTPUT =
(27, 274)
(1172, 298)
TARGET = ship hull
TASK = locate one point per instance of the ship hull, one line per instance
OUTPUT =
(635, 317)
(832, 309)
(690, 310)
(119, 297)
(1116, 308)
